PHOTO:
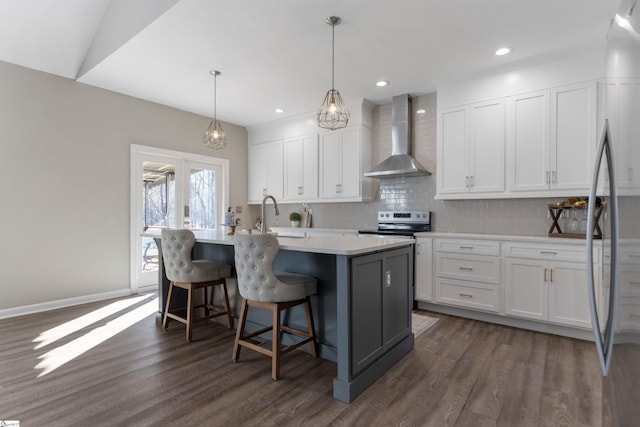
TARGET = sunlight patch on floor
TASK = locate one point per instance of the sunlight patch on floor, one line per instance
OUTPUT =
(61, 331)
(67, 352)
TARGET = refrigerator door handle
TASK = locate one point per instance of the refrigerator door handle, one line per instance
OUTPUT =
(604, 344)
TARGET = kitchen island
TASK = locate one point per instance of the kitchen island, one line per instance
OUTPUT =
(362, 310)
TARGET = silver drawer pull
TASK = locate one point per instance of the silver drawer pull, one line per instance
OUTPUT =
(466, 247)
(548, 253)
(466, 268)
(466, 295)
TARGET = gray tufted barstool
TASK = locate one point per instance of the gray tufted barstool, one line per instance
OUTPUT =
(191, 275)
(261, 287)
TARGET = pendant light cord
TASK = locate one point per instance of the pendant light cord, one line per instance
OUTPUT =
(215, 95)
(333, 53)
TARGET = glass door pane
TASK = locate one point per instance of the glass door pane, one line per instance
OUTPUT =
(204, 197)
(158, 207)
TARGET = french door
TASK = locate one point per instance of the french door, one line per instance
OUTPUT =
(171, 189)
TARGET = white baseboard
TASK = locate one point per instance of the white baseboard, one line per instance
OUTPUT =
(68, 302)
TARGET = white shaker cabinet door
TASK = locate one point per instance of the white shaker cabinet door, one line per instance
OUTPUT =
(265, 171)
(423, 266)
(331, 163)
(351, 171)
(452, 172)
(486, 148)
(528, 142)
(568, 296)
(301, 168)
(573, 140)
(526, 292)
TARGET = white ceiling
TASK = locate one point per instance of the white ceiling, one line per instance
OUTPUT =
(278, 53)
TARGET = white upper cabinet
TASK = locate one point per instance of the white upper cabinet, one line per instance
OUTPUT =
(471, 150)
(528, 141)
(551, 141)
(301, 168)
(621, 96)
(572, 139)
(265, 171)
(305, 166)
(344, 157)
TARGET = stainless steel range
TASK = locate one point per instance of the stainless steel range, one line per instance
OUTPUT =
(401, 223)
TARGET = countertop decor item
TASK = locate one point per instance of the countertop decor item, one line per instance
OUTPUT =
(294, 218)
(215, 137)
(333, 113)
(576, 225)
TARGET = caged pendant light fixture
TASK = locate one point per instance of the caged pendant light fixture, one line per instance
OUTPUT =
(333, 113)
(214, 137)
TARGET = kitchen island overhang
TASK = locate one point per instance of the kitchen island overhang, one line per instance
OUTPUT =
(363, 305)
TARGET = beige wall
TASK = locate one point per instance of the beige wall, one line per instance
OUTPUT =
(64, 183)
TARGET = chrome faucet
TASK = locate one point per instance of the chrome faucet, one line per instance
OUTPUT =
(263, 224)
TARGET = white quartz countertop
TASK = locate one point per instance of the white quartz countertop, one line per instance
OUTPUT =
(326, 244)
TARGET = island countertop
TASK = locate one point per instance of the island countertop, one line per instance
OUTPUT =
(329, 244)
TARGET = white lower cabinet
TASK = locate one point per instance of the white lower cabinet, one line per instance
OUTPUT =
(551, 286)
(423, 269)
(465, 275)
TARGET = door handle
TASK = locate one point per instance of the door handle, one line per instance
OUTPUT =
(545, 275)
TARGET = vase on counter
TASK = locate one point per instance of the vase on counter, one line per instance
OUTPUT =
(295, 223)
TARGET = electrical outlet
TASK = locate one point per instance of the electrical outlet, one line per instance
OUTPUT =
(387, 278)
(238, 209)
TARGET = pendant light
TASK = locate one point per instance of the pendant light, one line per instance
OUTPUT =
(214, 137)
(333, 113)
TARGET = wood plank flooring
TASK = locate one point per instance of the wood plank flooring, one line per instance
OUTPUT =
(461, 373)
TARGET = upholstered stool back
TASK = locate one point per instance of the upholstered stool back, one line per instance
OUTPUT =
(254, 257)
(178, 266)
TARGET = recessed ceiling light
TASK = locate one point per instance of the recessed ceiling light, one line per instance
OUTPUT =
(279, 110)
(382, 83)
(504, 51)
(421, 111)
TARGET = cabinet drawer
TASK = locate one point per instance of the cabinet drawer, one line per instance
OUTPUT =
(468, 267)
(629, 314)
(570, 252)
(476, 247)
(478, 296)
(629, 281)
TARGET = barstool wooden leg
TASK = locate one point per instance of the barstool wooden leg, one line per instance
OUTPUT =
(190, 312)
(239, 332)
(227, 307)
(310, 328)
(167, 306)
(205, 296)
(275, 349)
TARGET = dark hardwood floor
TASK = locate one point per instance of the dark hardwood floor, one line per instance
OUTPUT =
(461, 373)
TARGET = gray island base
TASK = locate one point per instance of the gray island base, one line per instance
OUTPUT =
(362, 310)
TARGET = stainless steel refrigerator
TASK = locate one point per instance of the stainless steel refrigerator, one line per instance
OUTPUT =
(614, 261)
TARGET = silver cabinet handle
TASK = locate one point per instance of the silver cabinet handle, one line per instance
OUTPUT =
(466, 247)
(545, 275)
(547, 177)
(465, 268)
(466, 295)
(553, 177)
(551, 275)
(548, 253)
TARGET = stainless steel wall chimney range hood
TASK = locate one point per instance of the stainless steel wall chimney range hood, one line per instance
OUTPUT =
(401, 163)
